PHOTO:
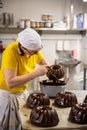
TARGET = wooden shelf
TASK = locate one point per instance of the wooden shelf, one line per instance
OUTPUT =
(59, 31)
(10, 30)
(44, 31)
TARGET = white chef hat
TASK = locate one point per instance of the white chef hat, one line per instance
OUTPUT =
(29, 39)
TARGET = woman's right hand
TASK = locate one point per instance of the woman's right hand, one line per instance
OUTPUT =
(41, 70)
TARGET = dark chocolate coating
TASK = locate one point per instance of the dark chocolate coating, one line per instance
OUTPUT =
(37, 99)
(78, 114)
(44, 116)
(56, 70)
(65, 99)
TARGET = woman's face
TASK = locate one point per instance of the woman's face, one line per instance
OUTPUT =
(26, 52)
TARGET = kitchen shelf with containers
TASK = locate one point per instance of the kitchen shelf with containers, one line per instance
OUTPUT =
(49, 26)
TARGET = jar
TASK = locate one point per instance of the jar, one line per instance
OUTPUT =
(41, 24)
(22, 23)
(27, 23)
(48, 24)
(50, 17)
(45, 17)
(37, 24)
(33, 24)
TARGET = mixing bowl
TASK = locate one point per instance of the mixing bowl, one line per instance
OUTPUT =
(51, 89)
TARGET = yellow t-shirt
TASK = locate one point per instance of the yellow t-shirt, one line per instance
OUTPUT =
(12, 60)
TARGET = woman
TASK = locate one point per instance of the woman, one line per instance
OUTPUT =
(18, 65)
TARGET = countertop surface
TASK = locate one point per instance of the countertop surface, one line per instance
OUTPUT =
(63, 114)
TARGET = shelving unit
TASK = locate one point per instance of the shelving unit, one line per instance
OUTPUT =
(45, 30)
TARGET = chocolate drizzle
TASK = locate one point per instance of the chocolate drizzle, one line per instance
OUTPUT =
(44, 116)
(65, 99)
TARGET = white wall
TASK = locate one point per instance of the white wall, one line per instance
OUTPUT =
(49, 44)
(34, 9)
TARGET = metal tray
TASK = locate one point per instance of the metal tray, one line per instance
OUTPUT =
(63, 114)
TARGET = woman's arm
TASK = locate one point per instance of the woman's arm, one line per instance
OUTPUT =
(12, 80)
(44, 62)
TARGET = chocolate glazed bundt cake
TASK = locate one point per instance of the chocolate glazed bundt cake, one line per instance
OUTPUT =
(44, 116)
(65, 99)
(85, 100)
(55, 70)
(37, 99)
(78, 114)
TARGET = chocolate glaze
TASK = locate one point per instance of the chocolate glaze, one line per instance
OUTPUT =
(78, 114)
(56, 70)
(85, 100)
(65, 99)
(44, 116)
(37, 99)
(52, 83)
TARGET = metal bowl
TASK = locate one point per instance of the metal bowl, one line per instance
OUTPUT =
(50, 89)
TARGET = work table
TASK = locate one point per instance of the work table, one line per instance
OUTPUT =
(63, 114)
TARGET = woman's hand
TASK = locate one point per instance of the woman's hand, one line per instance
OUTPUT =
(41, 70)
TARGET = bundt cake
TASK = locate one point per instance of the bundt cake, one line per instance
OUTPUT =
(37, 99)
(85, 100)
(44, 116)
(55, 71)
(78, 114)
(65, 99)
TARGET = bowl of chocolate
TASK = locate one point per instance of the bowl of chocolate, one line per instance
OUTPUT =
(55, 82)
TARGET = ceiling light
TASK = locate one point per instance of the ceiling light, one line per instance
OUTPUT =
(84, 0)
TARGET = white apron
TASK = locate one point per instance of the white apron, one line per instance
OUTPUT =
(9, 111)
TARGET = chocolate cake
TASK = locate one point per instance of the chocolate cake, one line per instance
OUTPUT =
(55, 71)
(78, 114)
(37, 99)
(65, 99)
(85, 100)
(44, 116)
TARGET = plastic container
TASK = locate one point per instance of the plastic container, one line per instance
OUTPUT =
(22, 23)
(80, 21)
(48, 24)
(27, 23)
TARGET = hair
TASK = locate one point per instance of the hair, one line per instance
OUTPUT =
(21, 51)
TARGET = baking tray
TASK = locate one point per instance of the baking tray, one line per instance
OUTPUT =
(63, 114)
